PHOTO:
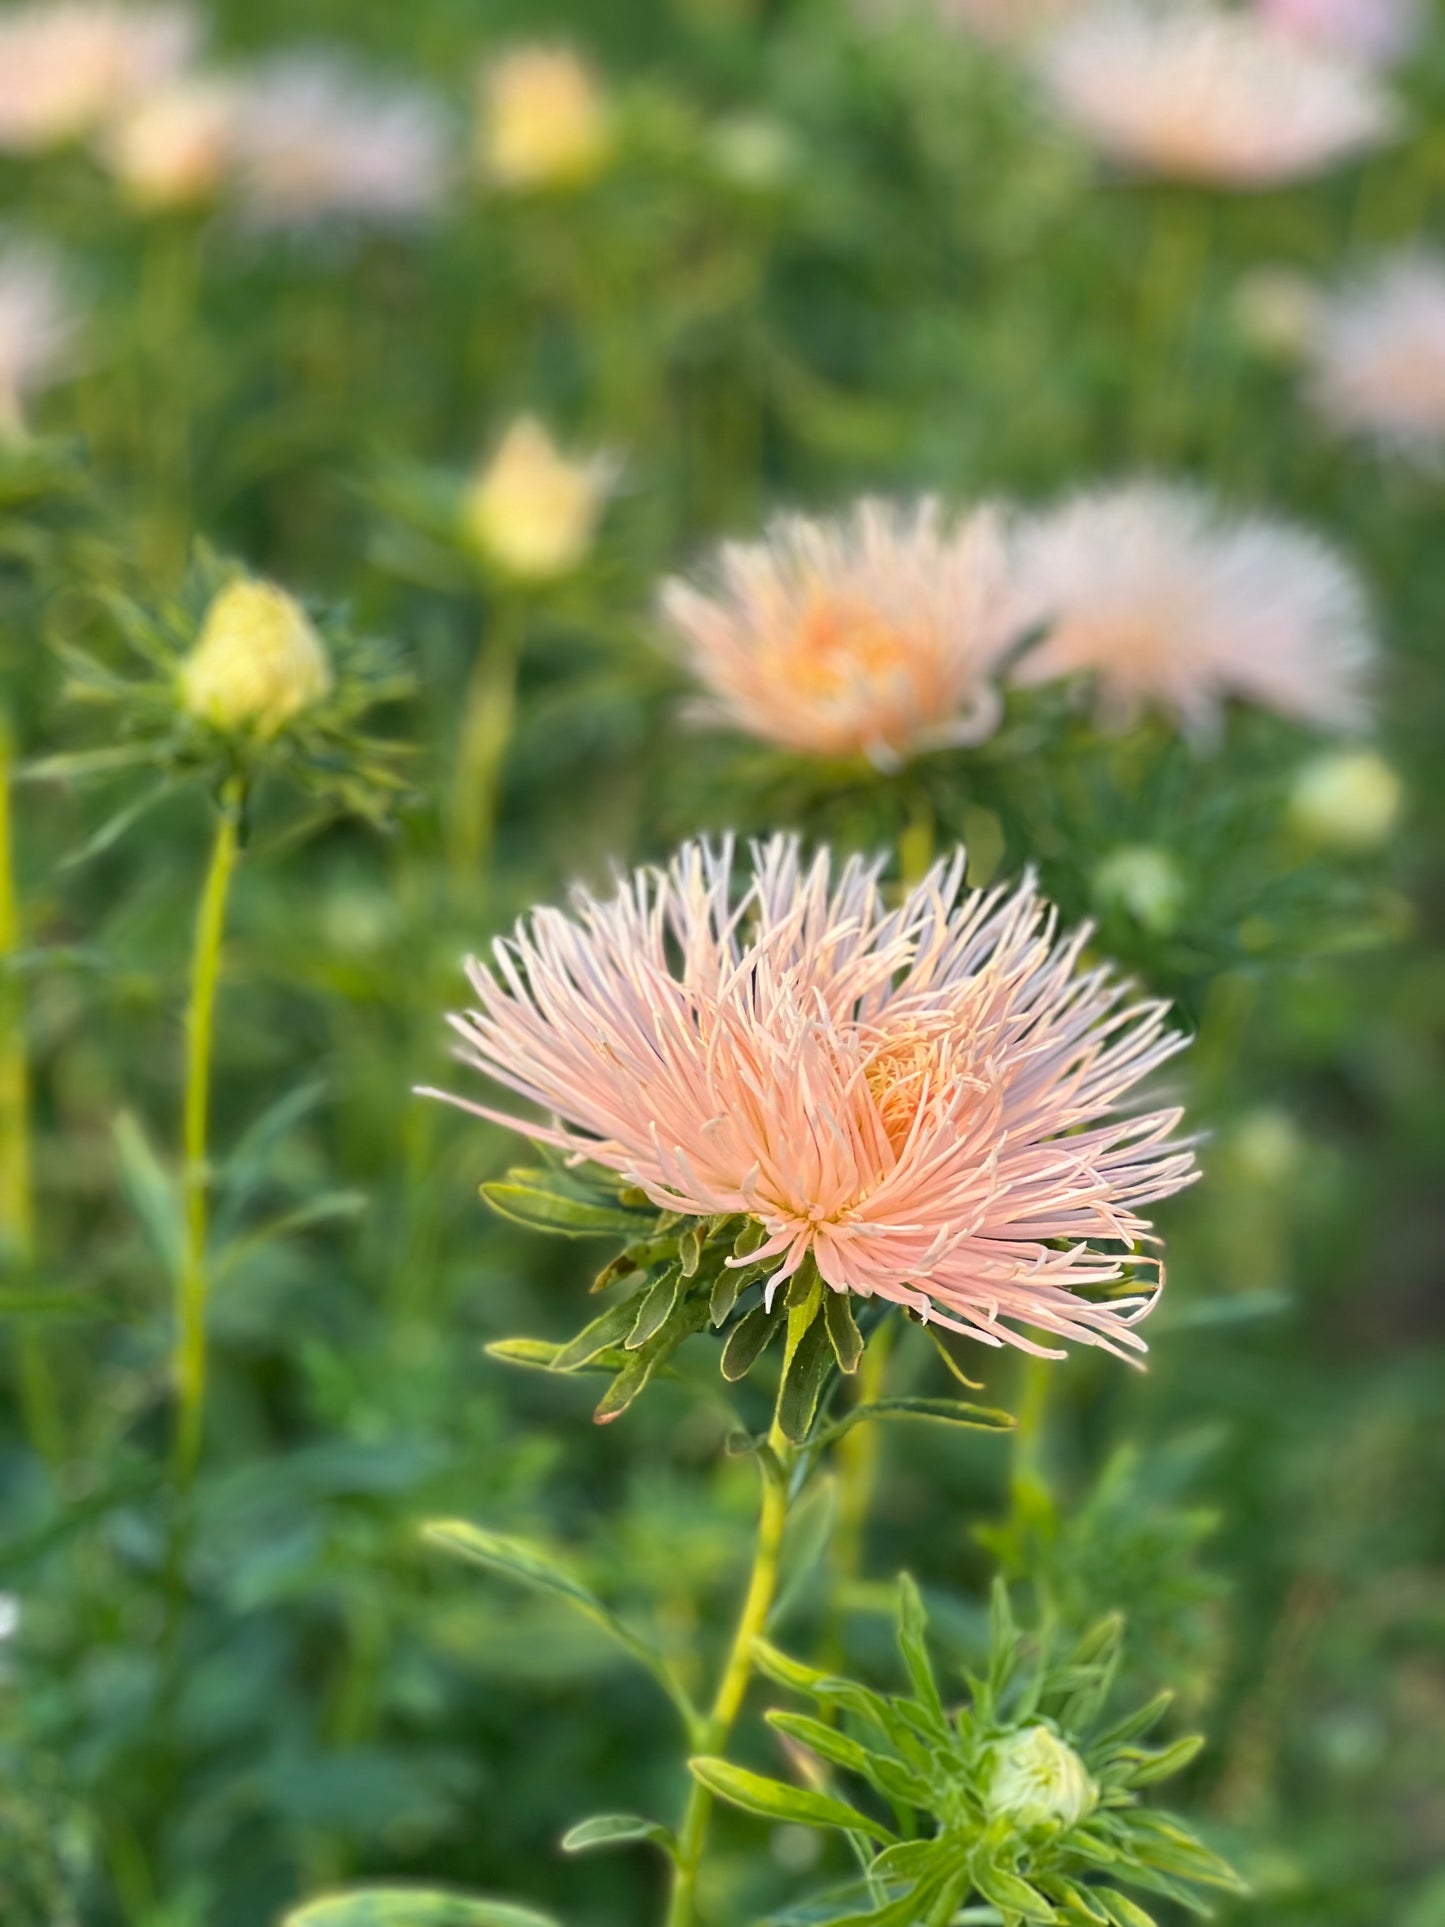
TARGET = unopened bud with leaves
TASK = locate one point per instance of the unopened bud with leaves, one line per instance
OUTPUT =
(1038, 1780)
(258, 662)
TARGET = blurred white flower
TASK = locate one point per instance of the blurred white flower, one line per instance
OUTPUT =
(317, 140)
(68, 66)
(531, 509)
(1377, 359)
(38, 327)
(1349, 800)
(173, 147)
(1376, 30)
(544, 119)
(1169, 602)
(1192, 92)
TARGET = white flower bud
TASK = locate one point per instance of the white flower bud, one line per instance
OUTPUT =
(1347, 800)
(531, 510)
(258, 662)
(545, 120)
(1039, 1780)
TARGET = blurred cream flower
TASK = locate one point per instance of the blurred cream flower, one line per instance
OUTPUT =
(1194, 93)
(257, 663)
(1169, 602)
(1380, 31)
(172, 148)
(38, 328)
(1276, 310)
(1038, 1780)
(532, 510)
(67, 66)
(1350, 800)
(545, 120)
(873, 635)
(316, 140)
(1377, 359)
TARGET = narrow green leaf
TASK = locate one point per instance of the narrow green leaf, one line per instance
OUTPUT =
(810, 1527)
(616, 1830)
(688, 1314)
(748, 1340)
(608, 1329)
(913, 1645)
(1014, 1898)
(726, 1286)
(826, 1741)
(1121, 1910)
(843, 1333)
(776, 1800)
(152, 1192)
(412, 1907)
(1136, 1723)
(950, 1411)
(542, 1355)
(539, 1200)
(1144, 1769)
(655, 1307)
(22, 1301)
(803, 1382)
(689, 1250)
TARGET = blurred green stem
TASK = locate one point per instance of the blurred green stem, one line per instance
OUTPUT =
(488, 713)
(776, 1466)
(193, 1289)
(1173, 280)
(857, 1482)
(17, 1199)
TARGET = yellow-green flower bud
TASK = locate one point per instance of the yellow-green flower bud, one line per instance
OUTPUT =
(258, 661)
(1039, 1780)
(1144, 881)
(532, 511)
(545, 120)
(1347, 800)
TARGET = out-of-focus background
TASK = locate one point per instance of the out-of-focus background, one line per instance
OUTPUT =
(750, 255)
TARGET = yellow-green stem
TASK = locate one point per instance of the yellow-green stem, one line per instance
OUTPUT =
(737, 1671)
(189, 1360)
(488, 713)
(39, 1404)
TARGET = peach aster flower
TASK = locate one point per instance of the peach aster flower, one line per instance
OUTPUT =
(38, 327)
(1379, 31)
(1170, 602)
(1378, 356)
(872, 635)
(1194, 93)
(316, 140)
(66, 66)
(930, 1101)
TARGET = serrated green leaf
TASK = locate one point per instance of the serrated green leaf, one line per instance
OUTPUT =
(412, 1907)
(776, 1800)
(950, 1411)
(616, 1830)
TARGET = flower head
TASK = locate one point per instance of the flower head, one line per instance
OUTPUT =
(545, 121)
(1347, 800)
(1379, 31)
(172, 148)
(1038, 1780)
(928, 1102)
(67, 66)
(258, 662)
(1377, 357)
(873, 635)
(316, 141)
(37, 327)
(1167, 601)
(533, 510)
(1195, 93)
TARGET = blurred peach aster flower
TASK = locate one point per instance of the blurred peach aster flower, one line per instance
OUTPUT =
(317, 140)
(1375, 30)
(173, 147)
(1195, 93)
(930, 1101)
(545, 120)
(67, 66)
(1377, 358)
(1169, 602)
(531, 509)
(875, 634)
(38, 327)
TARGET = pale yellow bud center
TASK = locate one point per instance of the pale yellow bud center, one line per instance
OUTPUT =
(1039, 1780)
(258, 662)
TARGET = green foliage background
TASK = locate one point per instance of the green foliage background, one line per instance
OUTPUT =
(829, 261)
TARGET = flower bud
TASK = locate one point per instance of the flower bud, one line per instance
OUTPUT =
(1349, 799)
(545, 121)
(1038, 1780)
(1266, 1148)
(1145, 881)
(1276, 312)
(258, 661)
(531, 510)
(171, 149)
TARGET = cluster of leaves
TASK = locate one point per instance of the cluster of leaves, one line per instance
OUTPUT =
(935, 1770)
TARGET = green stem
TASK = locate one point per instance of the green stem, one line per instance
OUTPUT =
(857, 1482)
(39, 1404)
(193, 1288)
(488, 713)
(737, 1671)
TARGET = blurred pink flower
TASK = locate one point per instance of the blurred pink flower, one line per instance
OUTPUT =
(316, 140)
(38, 327)
(1003, 23)
(931, 1101)
(1169, 602)
(1377, 356)
(67, 66)
(1194, 93)
(1374, 30)
(871, 635)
